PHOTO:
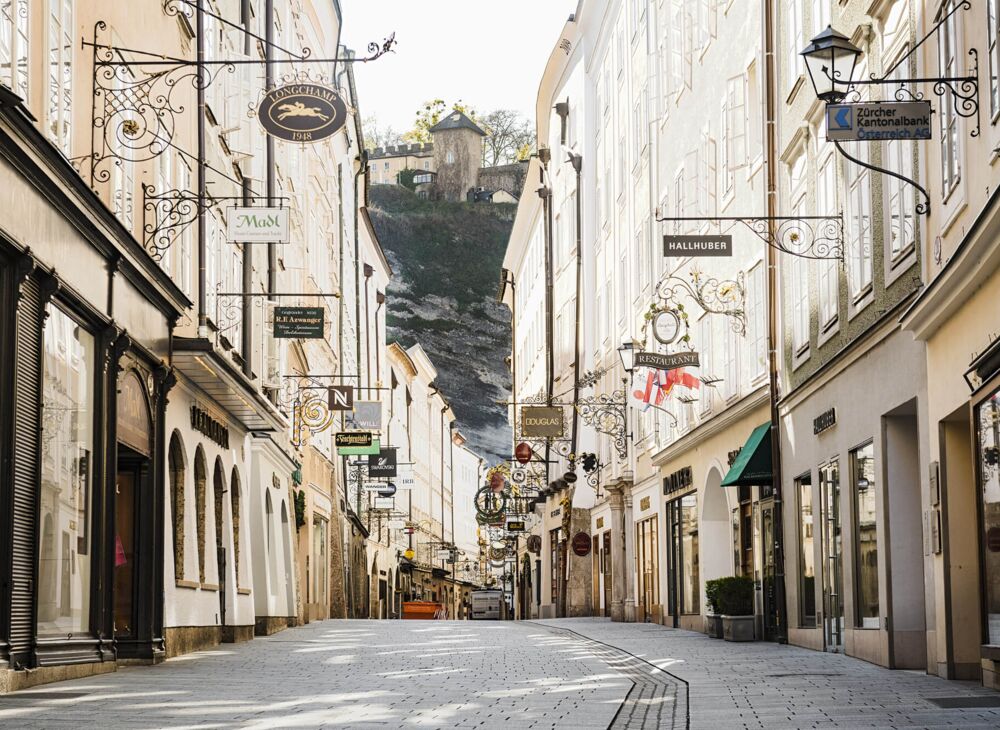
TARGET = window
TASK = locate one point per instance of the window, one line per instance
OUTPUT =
(450, 157)
(649, 564)
(866, 537)
(902, 229)
(682, 526)
(707, 361)
(554, 565)
(951, 169)
(800, 304)
(987, 420)
(677, 45)
(807, 556)
(319, 566)
(734, 130)
(828, 269)
(859, 224)
(731, 378)
(14, 45)
(793, 62)
(820, 15)
(756, 322)
(67, 449)
(992, 29)
(60, 92)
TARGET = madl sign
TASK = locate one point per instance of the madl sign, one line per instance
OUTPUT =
(257, 225)
(302, 112)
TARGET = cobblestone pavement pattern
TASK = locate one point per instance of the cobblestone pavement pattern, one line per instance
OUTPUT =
(575, 673)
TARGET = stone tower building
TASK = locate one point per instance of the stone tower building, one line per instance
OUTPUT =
(458, 155)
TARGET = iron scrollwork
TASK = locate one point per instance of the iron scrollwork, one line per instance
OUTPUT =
(606, 413)
(805, 236)
(715, 296)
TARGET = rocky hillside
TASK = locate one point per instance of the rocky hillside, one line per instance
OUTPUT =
(447, 258)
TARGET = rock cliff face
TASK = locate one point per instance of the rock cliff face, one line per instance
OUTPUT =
(446, 259)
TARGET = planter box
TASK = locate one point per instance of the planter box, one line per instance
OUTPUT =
(738, 628)
(713, 626)
(424, 610)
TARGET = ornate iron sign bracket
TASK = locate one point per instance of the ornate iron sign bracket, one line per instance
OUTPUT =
(716, 296)
(805, 236)
(607, 414)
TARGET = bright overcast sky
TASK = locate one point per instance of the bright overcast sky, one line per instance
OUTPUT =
(489, 54)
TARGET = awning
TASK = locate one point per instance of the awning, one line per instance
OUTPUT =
(753, 464)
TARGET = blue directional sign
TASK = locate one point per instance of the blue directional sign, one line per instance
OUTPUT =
(879, 120)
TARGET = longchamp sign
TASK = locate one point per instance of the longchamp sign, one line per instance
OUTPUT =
(302, 112)
(257, 225)
(661, 361)
(542, 422)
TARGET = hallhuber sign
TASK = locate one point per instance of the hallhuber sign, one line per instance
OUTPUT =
(878, 120)
(542, 422)
(257, 225)
(302, 112)
(298, 323)
(660, 361)
(698, 245)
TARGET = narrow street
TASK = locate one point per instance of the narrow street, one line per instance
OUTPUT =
(569, 673)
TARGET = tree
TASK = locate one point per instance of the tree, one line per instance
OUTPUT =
(430, 114)
(376, 136)
(510, 137)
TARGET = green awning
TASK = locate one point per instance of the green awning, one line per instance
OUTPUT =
(753, 464)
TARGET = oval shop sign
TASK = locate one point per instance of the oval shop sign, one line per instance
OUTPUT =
(302, 112)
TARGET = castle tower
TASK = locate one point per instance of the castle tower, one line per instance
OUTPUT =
(458, 155)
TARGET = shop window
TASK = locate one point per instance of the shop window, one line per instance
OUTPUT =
(554, 565)
(200, 477)
(14, 37)
(649, 565)
(67, 446)
(176, 469)
(234, 499)
(988, 437)
(865, 537)
(319, 567)
(807, 558)
(682, 523)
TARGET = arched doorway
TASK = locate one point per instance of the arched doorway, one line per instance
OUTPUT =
(716, 530)
(234, 504)
(133, 511)
(218, 492)
(200, 478)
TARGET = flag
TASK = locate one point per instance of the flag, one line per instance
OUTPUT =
(659, 383)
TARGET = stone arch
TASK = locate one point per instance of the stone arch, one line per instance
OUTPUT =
(234, 503)
(176, 470)
(716, 532)
(200, 479)
(218, 494)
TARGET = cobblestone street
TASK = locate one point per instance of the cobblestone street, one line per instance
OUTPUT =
(578, 673)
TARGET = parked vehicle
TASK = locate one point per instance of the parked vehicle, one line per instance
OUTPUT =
(487, 605)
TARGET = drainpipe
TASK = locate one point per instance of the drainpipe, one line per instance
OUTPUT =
(507, 277)
(368, 271)
(272, 252)
(577, 162)
(545, 193)
(202, 187)
(771, 136)
(362, 169)
(380, 300)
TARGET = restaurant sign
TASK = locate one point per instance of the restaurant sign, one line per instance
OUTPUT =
(298, 323)
(302, 112)
(661, 361)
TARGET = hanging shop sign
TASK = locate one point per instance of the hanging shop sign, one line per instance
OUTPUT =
(581, 544)
(497, 482)
(878, 121)
(366, 416)
(824, 421)
(257, 225)
(340, 397)
(205, 424)
(542, 422)
(373, 486)
(516, 526)
(302, 112)
(397, 524)
(352, 443)
(385, 503)
(388, 490)
(522, 452)
(721, 245)
(534, 544)
(666, 327)
(382, 464)
(298, 323)
(409, 554)
(671, 361)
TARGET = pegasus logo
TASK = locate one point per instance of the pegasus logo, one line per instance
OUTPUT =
(299, 109)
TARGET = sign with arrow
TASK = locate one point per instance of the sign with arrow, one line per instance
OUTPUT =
(881, 120)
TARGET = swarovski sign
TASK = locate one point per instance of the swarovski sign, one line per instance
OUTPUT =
(257, 225)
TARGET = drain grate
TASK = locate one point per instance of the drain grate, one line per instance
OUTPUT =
(37, 696)
(961, 703)
(807, 674)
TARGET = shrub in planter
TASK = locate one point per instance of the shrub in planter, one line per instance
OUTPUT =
(735, 603)
(713, 619)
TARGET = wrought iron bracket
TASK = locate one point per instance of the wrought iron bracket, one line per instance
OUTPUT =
(805, 236)
(608, 415)
(715, 296)
(921, 208)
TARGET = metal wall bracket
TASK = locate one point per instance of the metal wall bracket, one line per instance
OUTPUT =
(805, 236)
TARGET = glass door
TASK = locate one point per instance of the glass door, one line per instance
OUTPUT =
(124, 548)
(833, 574)
(606, 554)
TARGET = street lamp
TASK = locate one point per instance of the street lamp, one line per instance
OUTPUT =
(830, 59)
(627, 353)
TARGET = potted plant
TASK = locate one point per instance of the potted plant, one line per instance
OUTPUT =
(713, 619)
(735, 602)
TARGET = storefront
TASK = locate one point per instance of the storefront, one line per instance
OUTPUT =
(82, 391)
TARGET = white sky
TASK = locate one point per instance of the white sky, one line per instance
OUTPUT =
(488, 53)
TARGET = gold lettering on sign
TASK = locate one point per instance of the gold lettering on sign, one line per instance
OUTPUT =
(600, 522)
(644, 504)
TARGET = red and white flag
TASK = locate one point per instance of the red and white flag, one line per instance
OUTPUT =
(659, 383)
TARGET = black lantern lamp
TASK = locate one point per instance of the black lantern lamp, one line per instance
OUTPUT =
(830, 59)
(627, 353)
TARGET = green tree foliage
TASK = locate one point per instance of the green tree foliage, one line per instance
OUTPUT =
(430, 114)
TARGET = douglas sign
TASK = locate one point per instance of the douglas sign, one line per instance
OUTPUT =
(302, 112)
